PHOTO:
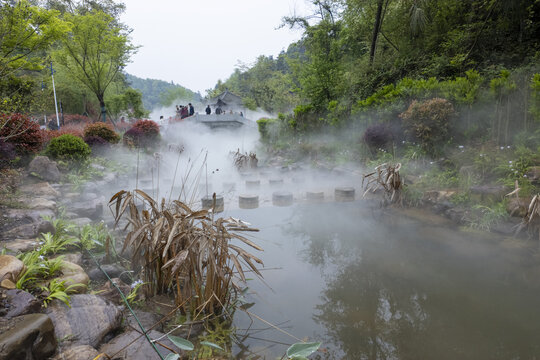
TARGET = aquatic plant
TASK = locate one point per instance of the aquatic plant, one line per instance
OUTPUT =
(185, 251)
(244, 161)
(386, 177)
(531, 220)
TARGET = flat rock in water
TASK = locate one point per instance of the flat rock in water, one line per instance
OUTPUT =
(42, 190)
(27, 337)
(87, 322)
(140, 349)
(44, 168)
(17, 302)
(79, 352)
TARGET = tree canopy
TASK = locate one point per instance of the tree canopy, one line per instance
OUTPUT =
(95, 51)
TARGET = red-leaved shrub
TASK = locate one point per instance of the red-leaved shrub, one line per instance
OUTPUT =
(149, 128)
(103, 130)
(144, 133)
(133, 137)
(22, 132)
(70, 119)
(72, 129)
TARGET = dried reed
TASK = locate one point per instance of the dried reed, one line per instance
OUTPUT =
(386, 177)
(531, 220)
(244, 161)
(176, 249)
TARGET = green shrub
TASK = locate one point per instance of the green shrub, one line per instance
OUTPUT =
(264, 125)
(68, 147)
(103, 130)
(429, 123)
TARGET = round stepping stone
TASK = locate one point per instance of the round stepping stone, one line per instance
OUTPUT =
(342, 194)
(252, 184)
(275, 182)
(282, 198)
(248, 201)
(315, 196)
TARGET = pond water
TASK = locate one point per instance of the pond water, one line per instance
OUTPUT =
(373, 285)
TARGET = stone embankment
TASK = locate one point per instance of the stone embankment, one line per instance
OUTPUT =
(96, 321)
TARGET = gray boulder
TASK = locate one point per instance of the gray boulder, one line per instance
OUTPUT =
(17, 302)
(78, 352)
(10, 270)
(92, 209)
(113, 270)
(27, 337)
(89, 319)
(44, 168)
(42, 190)
(140, 349)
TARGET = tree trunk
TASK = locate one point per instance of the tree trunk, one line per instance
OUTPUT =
(376, 29)
(103, 110)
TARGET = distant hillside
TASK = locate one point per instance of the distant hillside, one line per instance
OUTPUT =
(158, 93)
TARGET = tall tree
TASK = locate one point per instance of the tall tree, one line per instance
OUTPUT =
(95, 51)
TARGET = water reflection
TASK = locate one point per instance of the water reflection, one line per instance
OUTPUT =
(377, 286)
(405, 292)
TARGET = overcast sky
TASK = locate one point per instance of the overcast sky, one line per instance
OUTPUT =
(195, 43)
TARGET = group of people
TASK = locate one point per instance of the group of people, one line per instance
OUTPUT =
(184, 111)
(219, 111)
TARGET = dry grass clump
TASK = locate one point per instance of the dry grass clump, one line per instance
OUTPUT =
(531, 220)
(386, 177)
(244, 161)
(187, 252)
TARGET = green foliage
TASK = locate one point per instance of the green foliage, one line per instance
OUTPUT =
(171, 96)
(69, 148)
(26, 31)
(535, 97)
(485, 217)
(181, 343)
(152, 90)
(128, 104)
(95, 51)
(264, 125)
(428, 122)
(103, 130)
(96, 237)
(56, 289)
(53, 244)
(302, 350)
(132, 296)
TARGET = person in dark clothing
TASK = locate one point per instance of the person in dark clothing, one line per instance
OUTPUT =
(218, 110)
(208, 110)
(183, 112)
(191, 110)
